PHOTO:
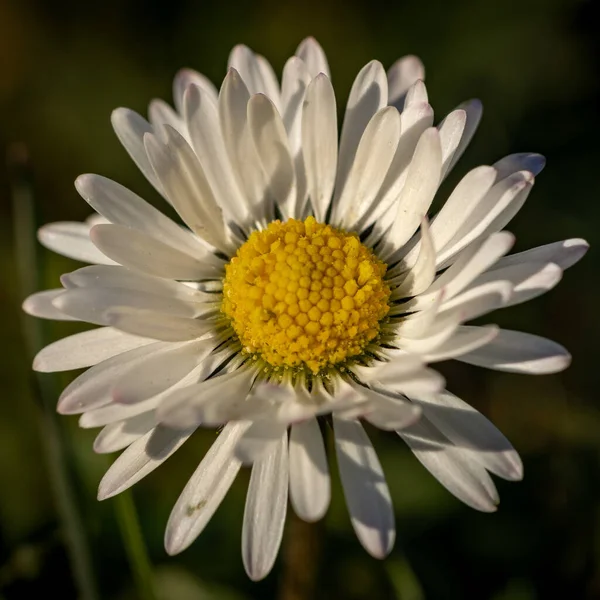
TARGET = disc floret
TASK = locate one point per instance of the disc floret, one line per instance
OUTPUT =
(301, 293)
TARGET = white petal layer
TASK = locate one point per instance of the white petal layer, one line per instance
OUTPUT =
(313, 56)
(264, 514)
(160, 371)
(371, 161)
(92, 388)
(365, 489)
(73, 241)
(85, 349)
(139, 251)
(204, 491)
(41, 305)
(160, 326)
(455, 468)
(202, 117)
(468, 429)
(310, 489)
(190, 404)
(319, 143)
(185, 183)
(121, 206)
(140, 459)
(187, 77)
(271, 145)
(367, 96)
(121, 434)
(401, 76)
(130, 129)
(519, 352)
(565, 254)
(422, 181)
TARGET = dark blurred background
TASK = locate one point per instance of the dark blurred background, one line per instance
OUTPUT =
(535, 64)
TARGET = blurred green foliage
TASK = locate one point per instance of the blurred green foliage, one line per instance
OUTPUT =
(64, 65)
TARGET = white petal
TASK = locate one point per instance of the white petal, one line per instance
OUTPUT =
(480, 300)
(367, 96)
(187, 187)
(469, 429)
(441, 330)
(91, 304)
(160, 113)
(189, 404)
(270, 140)
(294, 83)
(140, 459)
(40, 305)
(465, 339)
(310, 488)
(85, 349)
(100, 276)
(184, 79)
(264, 514)
(389, 413)
(519, 352)
(422, 181)
(372, 160)
(114, 413)
(204, 491)
(471, 189)
(160, 371)
(121, 434)
(319, 143)
(416, 324)
(421, 275)
(402, 366)
(420, 382)
(473, 110)
(95, 219)
(259, 439)
(256, 73)
(130, 129)
(313, 56)
(491, 214)
(202, 117)
(472, 262)
(138, 251)
(233, 115)
(453, 467)
(523, 161)
(530, 279)
(159, 326)
(565, 254)
(73, 241)
(451, 132)
(92, 389)
(414, 122)
(270, 85)
(365, 489)
(416, 94)
(401, 76)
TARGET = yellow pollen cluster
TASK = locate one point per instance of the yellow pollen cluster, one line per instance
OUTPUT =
(304, 294)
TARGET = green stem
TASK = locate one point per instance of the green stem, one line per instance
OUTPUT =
(134, 545)
(52, 434)
(301, 554)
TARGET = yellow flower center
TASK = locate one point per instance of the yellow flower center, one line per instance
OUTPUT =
(305, 294)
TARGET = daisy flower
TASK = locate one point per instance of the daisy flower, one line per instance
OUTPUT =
(305, 289)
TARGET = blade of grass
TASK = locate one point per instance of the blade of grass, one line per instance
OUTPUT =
(53, 436)
(134, 545)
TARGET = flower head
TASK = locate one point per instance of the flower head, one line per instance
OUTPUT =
(306, 282)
